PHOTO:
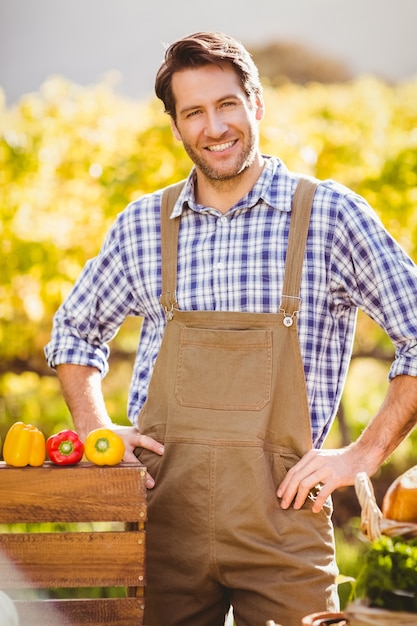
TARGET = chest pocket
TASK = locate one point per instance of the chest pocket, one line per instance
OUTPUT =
(226, 370)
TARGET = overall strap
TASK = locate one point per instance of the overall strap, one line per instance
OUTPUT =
(300, 219)
(169, 246)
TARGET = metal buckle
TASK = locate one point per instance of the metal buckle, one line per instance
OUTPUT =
(288, 320)
(169, 313)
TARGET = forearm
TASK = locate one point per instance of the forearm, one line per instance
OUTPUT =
(81, 388)
(332, 469)
(393, 422)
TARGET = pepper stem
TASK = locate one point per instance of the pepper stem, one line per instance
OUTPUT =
(102, 444)
(66, 448)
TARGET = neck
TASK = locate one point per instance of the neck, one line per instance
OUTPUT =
(223, 194)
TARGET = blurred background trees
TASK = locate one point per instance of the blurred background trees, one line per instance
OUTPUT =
(72, 157)
(282, 61)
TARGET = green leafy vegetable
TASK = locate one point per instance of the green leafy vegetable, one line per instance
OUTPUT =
(388, 578)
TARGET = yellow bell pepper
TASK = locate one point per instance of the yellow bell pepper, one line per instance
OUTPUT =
(104, 447)
(24, 445)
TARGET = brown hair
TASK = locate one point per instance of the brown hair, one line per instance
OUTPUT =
(201, 49)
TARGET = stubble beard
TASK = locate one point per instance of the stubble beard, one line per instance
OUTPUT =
(219, 175)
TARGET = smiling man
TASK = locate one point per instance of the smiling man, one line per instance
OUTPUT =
(218, 127)
(249, 305)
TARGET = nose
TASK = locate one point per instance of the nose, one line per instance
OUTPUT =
(216, 125)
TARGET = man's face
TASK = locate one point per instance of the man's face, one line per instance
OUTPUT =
(215, 121)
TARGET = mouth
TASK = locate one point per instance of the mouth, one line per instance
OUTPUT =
(221, 147)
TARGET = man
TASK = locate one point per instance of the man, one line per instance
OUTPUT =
(239, 373)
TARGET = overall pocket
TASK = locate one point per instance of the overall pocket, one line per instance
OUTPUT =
(224, 369)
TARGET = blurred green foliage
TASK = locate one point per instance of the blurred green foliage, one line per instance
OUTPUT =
(72, 157)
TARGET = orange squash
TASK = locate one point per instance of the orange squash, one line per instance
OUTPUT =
(400, 500)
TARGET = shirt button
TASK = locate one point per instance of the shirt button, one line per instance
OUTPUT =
(224, 220)
(221, 266)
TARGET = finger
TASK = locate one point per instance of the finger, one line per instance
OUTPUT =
(285, 488)
(320, 499)
(290, 486)
(286, 495)
(294, 474)
(150, 444)
(300, 488)
(129, 457)
(310, 486)
(133, 439)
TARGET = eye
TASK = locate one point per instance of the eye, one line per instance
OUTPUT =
(228, 103)
(193, 113)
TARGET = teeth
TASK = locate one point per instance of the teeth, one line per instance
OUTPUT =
(220, 147)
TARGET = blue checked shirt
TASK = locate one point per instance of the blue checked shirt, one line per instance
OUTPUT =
(236, 262)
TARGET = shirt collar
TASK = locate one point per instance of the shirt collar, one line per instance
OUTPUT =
(264, 189)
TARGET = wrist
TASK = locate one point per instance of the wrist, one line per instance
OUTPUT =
(84, 425)
(364, 457)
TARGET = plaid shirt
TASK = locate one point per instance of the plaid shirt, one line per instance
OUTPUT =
(236, 262)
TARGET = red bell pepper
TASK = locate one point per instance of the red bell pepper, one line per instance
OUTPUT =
(65, 448)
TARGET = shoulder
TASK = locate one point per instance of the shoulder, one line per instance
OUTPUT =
(148, 206)
(142, 206)
(342, 204)
(284, 181)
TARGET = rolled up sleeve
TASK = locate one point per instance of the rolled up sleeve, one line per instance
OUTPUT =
(93, 312)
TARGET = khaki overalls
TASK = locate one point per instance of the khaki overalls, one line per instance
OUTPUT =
(228, 400)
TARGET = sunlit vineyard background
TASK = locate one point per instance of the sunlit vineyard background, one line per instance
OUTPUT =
(72, 157)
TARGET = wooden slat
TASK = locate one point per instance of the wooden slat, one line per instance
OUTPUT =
(47, 560)
(110, 611)
(63, 559)
(80, 493)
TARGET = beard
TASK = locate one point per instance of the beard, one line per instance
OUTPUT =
(228, 170)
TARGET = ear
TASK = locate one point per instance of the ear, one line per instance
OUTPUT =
(259, 107)
(175, 130)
